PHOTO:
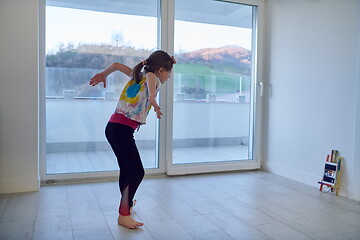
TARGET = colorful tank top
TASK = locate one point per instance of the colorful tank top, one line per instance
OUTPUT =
(134, 100)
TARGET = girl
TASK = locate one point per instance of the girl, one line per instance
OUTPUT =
(131, 111)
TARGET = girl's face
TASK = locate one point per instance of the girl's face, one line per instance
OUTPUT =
(163, 75)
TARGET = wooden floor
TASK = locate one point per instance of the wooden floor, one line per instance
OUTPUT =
(78, 162)
(251, 205)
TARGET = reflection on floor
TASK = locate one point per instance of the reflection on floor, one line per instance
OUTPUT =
(252, 205)
(78, 162)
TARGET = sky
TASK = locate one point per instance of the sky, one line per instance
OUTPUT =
(65, 25)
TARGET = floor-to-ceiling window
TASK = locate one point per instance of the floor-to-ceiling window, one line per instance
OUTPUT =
(213, 89)
(82, 38)
(211, 98)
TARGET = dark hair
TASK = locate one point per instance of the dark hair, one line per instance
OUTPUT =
(156, 60)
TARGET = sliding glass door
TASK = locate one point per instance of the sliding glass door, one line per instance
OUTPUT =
(214, 86)
(211, 108)
(82, 38)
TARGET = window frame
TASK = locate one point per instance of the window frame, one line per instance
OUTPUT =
(255, 163)
(166, 14)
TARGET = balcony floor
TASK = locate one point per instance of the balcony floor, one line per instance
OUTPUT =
(95, 161)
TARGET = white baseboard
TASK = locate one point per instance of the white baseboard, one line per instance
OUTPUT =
(212, 167)
(294, 174)
(356, 195)
(304, 177)
(19, 185)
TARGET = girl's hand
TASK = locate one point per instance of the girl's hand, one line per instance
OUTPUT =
(98, 78)
(158, 112)
(156, 107)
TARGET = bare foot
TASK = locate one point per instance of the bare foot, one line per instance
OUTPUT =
(129, 222)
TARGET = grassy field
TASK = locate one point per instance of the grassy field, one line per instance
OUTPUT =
(200, 76)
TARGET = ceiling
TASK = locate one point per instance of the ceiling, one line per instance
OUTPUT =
(201, 11)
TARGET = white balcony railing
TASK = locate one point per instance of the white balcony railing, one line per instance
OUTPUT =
(78, 124)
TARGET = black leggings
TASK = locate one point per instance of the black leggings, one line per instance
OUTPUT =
(121, 139)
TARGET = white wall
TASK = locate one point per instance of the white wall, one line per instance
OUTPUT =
(19, 96)
(356, 168)
(312, 64)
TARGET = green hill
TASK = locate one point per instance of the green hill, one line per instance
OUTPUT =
(197, 76)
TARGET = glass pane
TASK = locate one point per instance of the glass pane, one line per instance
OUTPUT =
(82, 38)
(212, 82)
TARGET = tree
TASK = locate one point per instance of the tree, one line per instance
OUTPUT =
(117, 37)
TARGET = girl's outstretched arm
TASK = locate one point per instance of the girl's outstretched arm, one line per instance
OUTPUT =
(151, 83)
(101, 77)
(117, 66)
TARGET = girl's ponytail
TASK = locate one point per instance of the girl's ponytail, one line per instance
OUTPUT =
(136, 72)
(156, 60)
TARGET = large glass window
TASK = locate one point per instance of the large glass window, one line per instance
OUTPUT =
(213, 82)
(82, 38)
(208, 104)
